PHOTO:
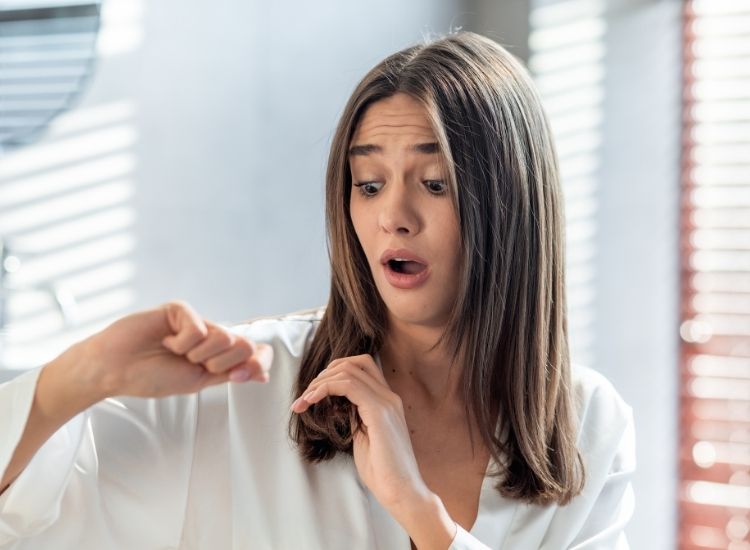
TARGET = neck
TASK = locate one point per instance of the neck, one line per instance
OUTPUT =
(412, 368)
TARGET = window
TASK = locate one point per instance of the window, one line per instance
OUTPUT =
(714, 465)
(46, 57)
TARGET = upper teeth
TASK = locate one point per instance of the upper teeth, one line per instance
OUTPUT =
(400, 259)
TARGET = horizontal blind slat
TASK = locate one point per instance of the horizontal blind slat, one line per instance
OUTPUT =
(715, 250)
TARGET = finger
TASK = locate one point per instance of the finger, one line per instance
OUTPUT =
(239, 357)
(366, 361)
(239, 374)
(348, 368)
(354, 390)
(234, 356)
(188, 329)
(364, 368)
(262, 358)
(218, 341)
(331, 365)
(352, 366)
(256, 368)
(335, 365)
(367, 364)
(347, 372)
(325, 372)
(244, 372)
(212, 379)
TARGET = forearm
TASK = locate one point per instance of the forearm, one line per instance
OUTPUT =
(63, 390)
(427, 521)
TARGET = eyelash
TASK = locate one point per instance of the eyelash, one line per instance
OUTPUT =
(361, 186)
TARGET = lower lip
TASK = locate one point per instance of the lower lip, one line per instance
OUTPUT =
(405, 280)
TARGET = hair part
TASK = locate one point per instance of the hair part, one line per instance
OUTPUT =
(508, 325)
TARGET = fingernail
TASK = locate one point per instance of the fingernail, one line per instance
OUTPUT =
(240, 375)
(257, 377)
(294, 403)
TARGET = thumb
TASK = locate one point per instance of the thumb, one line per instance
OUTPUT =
(186, 327)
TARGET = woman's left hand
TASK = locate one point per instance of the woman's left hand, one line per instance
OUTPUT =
(384, 456)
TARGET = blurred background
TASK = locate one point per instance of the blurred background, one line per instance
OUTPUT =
(176, 149)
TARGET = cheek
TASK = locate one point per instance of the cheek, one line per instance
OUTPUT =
(450, 240)
(448, 227)
(360, 225)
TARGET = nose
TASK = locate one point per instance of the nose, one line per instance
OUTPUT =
(398, 214)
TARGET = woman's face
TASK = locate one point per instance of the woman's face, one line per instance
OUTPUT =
(400, 202)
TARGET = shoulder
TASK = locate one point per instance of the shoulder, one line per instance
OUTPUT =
(606, 433)
(289, 331)
(595, 394)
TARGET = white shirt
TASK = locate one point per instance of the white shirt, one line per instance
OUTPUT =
(216, 470)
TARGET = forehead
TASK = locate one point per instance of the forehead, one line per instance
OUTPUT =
(399, 117)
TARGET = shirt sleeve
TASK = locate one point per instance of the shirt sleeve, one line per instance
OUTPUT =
(604, 526)
(466, 541)
(32, 502)
(122, 462)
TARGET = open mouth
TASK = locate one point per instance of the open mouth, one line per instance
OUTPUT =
(403, 269)
(407, 267)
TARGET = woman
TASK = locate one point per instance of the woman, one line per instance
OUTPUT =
(440, 364)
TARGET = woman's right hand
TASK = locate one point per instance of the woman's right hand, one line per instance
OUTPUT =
(166, 351)
(163, 351)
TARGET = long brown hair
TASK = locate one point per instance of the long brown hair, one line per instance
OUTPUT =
(508, 325)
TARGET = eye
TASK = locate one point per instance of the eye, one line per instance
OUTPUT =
(366, 188)
(436, 187)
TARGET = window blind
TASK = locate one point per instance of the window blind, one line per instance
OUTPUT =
(714, 463)
(567, 50)
(47, 54)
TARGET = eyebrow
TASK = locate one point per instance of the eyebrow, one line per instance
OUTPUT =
(364, 150)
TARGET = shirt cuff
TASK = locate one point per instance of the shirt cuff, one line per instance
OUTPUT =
(465, 541)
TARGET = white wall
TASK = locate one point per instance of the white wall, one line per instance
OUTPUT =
(638, 263)
(237, 104)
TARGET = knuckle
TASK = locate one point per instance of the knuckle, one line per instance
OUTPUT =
(251, 346)
(181, 306)
(328, 370)
(244, 346)
(336, 362)
(212, 365)
(222, 338)
(194, 332)
(348, 368)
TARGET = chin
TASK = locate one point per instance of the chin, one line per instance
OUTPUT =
(419, 306)
(415, 312)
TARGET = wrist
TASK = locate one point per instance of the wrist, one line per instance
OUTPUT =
(69, 383)
(426, 519)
